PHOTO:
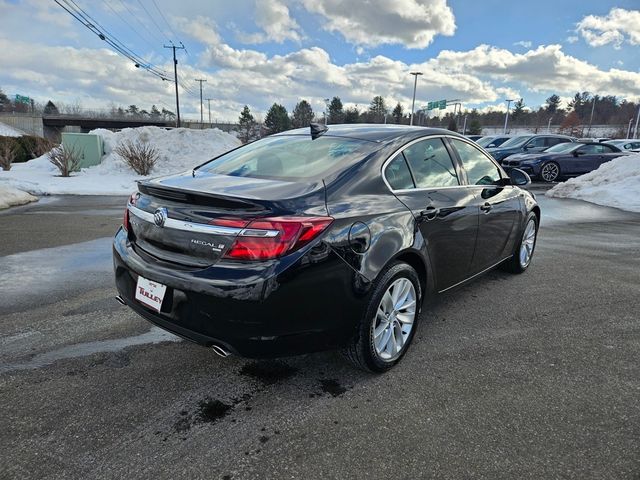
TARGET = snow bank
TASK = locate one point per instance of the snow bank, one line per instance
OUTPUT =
(10, 197)
(7, 131)
(614, 184)
(179, 149)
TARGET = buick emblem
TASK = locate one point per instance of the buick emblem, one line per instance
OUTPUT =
(160, 216)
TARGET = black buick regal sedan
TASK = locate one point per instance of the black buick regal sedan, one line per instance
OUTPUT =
(320, 238)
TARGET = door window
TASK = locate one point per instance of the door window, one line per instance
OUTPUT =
(398, 175)
(537, 142)
(431, 164)
(480, 169)
(590, 149)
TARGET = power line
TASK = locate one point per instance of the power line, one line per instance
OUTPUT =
(94, 26)
(157, 39)
(130, 26)
(152, 19)
(165, 20)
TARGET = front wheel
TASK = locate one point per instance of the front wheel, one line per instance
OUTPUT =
(523, 253)
(390, 319)
(550, 172)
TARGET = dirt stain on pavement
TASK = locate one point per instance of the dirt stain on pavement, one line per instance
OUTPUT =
(268, 372)
(332, 387)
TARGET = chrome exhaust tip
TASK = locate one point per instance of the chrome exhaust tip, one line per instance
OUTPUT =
(120, 300)
(223, 352)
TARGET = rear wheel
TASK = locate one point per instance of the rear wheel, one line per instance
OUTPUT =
(523, 253)
(390, 320)
(550, 172)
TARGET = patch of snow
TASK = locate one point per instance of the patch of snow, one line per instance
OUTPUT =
(614, 184)
(8, 131)
(10, 196)
(179, 149)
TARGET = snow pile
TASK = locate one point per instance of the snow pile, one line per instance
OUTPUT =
(8, 131)
(10, 197)
(614, 184)
(179, 149)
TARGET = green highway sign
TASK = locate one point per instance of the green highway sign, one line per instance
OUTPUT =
(441, 104)
(23, 99)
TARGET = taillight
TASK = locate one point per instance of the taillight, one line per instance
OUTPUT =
(132, 201)
(267, 238)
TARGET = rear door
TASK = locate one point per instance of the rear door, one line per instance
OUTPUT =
(499, 205)
(426, 179)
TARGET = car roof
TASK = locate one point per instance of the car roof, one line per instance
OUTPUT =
(374, 132)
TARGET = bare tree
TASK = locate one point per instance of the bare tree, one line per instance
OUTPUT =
(66, 160)
(141, 157)
(8, 152)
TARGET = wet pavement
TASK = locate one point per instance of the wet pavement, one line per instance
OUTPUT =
(530, 376)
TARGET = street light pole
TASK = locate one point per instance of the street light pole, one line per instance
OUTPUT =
(629, 129)
(593, 106)
(413, 102)
(549, 126)
(201, 106)
(209, 104)
(506, 117)
(635, 130)
(326, 110)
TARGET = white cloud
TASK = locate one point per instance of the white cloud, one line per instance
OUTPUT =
(273, 18)
(412, 23)
(572, 39)
(617, 27)
(546, 68)
(523, 43)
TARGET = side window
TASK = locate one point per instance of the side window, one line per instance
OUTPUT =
(606, 149)
(551, 141)
(431, 164)
(398, 175)
(480, 170)
(537, 142)
(589, 149)
(563, 140)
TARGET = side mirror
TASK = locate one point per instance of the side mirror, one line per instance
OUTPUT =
(526, 147)
(577, 153)
(519, 177)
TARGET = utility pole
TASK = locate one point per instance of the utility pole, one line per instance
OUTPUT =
(326, 110)
(635, 130)
(175, 77)
(209, 103)
(200, 80)
(464, 127)
(506, 117)
(549, 125)
(593, 106)
(413, 102)
(629, 129)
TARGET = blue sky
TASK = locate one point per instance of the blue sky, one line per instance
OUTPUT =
(256, 53)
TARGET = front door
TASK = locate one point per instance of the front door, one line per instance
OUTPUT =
(498, 204)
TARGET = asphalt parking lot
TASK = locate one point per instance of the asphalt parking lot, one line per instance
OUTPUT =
(530, 376)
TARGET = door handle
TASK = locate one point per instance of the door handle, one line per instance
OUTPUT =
(486, 208)
(429, 213)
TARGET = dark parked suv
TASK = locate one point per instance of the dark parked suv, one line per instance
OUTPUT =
(527, 144)
(309, 240)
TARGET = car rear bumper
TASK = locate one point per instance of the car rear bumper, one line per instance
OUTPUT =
(309, 303)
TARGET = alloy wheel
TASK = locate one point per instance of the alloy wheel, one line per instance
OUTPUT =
(528, 243)
(394, 319)
(550, 172)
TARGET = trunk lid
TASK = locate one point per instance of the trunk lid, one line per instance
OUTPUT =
(193, 218)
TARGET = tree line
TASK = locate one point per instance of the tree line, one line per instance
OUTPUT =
(607, 110)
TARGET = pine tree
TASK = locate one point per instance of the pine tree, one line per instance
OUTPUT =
(453, 126)
(246, 125)
(475, 127)
(165, 113)
(155, 113)
(5, 103)
(302, 115)
(336, 114)
(552, 104)
(49, 109)
(518, 110)
(277, 119)
(377, 109)
(398, 113)
(351, 115)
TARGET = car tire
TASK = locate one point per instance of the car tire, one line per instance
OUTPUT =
(366, 351)
(550, 172)
(525, 247)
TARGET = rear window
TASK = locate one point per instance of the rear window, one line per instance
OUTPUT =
(291, 157)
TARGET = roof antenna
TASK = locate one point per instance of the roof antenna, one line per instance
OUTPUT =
(317, 130)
